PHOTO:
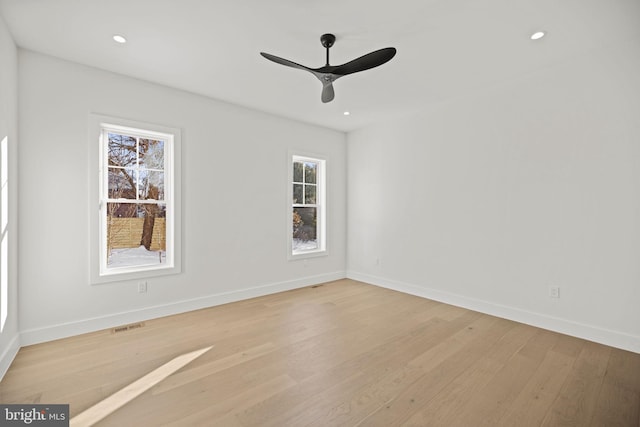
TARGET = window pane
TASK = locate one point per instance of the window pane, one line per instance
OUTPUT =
(151, 154)
(122, 150)
(122, 183)
(310, 171)
(305, 235)
(297, 171)
(310, 194)
(151, 185)
(121, 210)
(297, 193)
(136, 235)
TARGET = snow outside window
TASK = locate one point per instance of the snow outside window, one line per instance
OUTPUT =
(307, 225)
(137, 203)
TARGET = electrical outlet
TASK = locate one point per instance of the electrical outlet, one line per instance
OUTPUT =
(142, 287)
(554, 291)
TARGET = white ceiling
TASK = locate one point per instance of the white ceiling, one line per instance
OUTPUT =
(446, 48)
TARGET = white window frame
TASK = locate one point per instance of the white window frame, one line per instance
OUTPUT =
(320, 205)
(4, 232)
(98, 184)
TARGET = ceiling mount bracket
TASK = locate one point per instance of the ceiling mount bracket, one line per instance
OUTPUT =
(327, 40)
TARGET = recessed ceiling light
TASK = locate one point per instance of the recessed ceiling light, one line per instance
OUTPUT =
(537, 35)
(119, 39)
(346, 113)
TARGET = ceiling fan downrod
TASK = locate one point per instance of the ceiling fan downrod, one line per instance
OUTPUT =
(327, 41)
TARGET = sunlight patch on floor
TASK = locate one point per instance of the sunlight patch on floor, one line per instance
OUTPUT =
(112, 403)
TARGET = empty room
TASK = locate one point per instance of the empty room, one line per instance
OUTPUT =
(337, 213)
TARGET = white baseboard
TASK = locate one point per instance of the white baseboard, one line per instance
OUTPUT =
(579, 330)
(49, 333)
(7, 356)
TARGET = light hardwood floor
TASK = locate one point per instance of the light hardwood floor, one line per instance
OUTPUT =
(344, 353)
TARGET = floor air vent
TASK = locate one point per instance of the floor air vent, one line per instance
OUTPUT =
(127, 327)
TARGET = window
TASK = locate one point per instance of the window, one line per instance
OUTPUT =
(307, 222)
(4, 232)
(138, 210)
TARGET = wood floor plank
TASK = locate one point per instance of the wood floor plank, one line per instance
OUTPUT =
(364, 395)
(575, 404)
(192, 374)
(100, 410)
(438, 372)
(447, 406)
(386, 357)
(201, 409)
(341, 354)
(533, 402)
(624, 370)
(498, 396)
(616, 406)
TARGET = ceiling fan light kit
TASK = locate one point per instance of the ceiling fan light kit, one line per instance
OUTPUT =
(330, 73)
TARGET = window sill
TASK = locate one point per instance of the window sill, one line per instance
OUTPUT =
(134, 274)
(308, 254)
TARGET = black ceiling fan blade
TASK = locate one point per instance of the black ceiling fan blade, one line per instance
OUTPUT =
(327, 92)
(283, 61)
(365, 62)
(327, 74)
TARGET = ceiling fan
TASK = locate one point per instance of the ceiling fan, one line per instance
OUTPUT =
(330, 73)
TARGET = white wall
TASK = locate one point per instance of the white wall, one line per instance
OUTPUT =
(486, 201)
(234, 164)
(9, 338)
(483, 202)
